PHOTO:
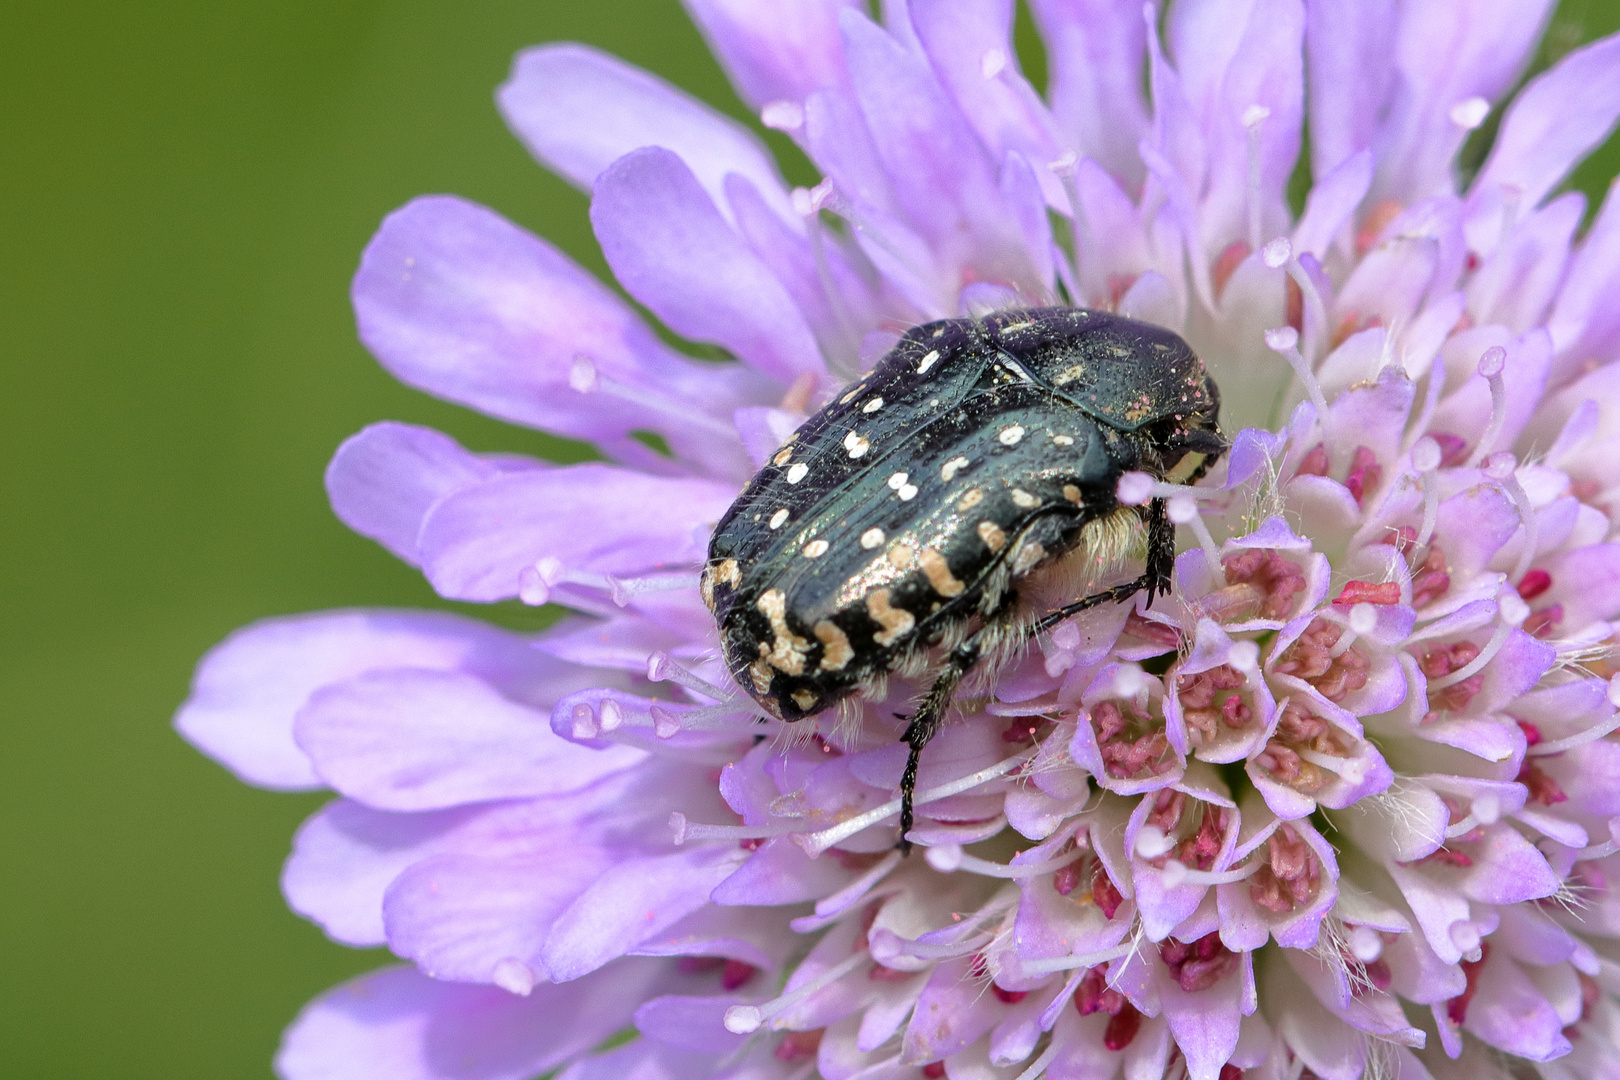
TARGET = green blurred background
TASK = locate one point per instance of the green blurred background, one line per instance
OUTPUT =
(185, 190)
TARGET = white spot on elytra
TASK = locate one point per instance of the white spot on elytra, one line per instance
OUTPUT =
(872, 406)
(898, 481)
(927, 362)
(857, 445)
(949, 470)
(1010, 435)
(1024, 499)
(907, 492)
(779, 518)
(797, 473)
(1063, 440)
(871, 538)
(815, 549)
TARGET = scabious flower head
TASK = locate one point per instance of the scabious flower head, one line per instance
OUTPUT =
(1345, 802)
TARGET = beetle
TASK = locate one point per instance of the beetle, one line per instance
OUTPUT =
(949, 504)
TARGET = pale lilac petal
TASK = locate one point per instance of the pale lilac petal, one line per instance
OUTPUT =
(580, 110)
(645, 1059)
(1095, 50)
(1352, 73)
(1584, 321)
(774, 50)
(972, 52)
(397, 1024)
(409, 739)
(249, 687)
(631, 902)
(671, 249)
(1517, 283)
(457, 301)
(345, 856)
(1557, 120)
(1510, 1013)
(944, 179)
(1332, 202)
(1446, 54)
(383, 480)
(475, 543)
(468, 918)
(691, 1023)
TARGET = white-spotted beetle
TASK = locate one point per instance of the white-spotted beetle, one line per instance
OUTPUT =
(948, 504)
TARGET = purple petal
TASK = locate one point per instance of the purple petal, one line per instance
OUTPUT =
(644, 1059)
(1444, 55)
(397, 1024)
(1594, 574)
(467, 918)
(1467, 410)
(1584, 322)
(457, 301)
(476, 542)
(631, 902)
(942, 176)
(1556, 121)
(1511, 1013)
(774, 50)
(1095, 50)
(383, 480)
(671, 249)
(1352, 71)
(345, 856)
(422, 740)
(971, 48)
(249, 687)
(1332, 202)
(1517, 283)
(579, 110)
(691, 1023)
(951, 1014)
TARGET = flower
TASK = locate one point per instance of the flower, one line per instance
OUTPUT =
(1345, 802)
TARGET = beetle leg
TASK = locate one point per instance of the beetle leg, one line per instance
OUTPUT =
(931, 711)
(1161, 561)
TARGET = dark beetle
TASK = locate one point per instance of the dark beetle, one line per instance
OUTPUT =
(952, 502)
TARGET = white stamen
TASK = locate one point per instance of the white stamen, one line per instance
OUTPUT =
(1177, 873)
(1426, 459)
(1501, 467)
(1363, 619)
(665, 724)
(886, 947)
(1284, 340)
(1486, 809)
(1498, 639)
(1039, 1065)
(1591, 734)
(1315, 309)
(661, 667)
(1064, 168)
(684, 830)
(817, 842)
(513, 976)
(950, 860)
(1597, 851)
(1134, 489)
(782, 116)
(582, 374)
(1365, 944)
(846, 896)
(992, 63)
(612, 715)
(1490, 368)
(623, 590)
(1277, 252)
(583, 722)
(1184, 511)
(1469, 113)
(1254, 118)
(1083, 960)
(746, 1019)
(1352, 770)
(1151, 842)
